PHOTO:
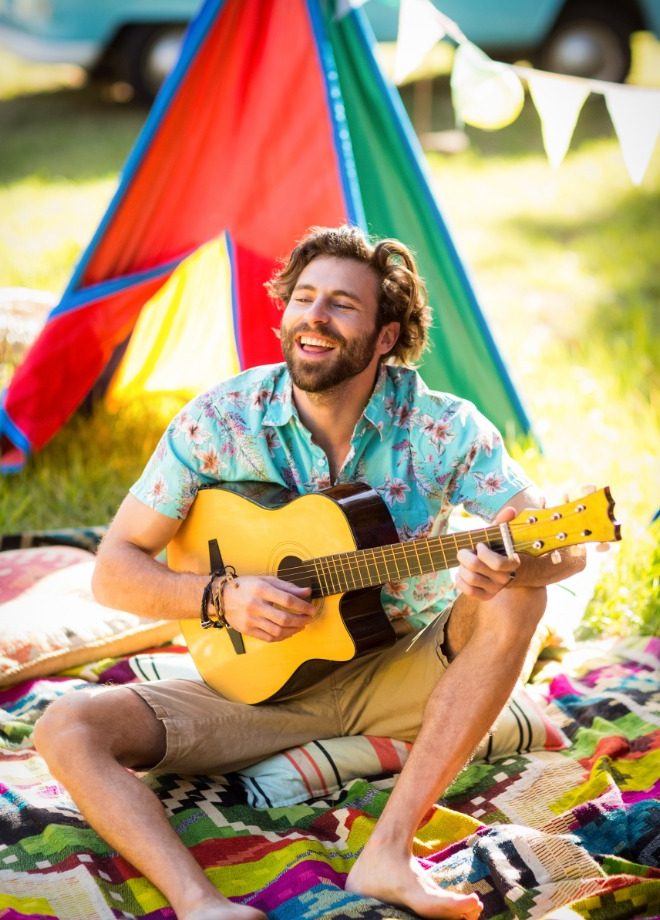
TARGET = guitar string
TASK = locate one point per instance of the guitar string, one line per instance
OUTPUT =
(461, 540)
(396, 554)
(334, 580)
(438, 549)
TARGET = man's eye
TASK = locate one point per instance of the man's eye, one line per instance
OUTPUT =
(343, 306)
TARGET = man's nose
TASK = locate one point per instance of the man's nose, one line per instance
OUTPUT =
(318, 309)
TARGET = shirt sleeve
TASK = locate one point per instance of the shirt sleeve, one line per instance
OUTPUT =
(185, 458)
(486, 476)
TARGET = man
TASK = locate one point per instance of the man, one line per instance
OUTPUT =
(335, 412)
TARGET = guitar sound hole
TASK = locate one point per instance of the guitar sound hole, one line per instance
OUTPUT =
(301, 573)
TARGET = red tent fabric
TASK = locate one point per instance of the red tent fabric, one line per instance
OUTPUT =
(254, 91)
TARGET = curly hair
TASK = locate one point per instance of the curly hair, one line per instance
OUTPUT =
(402, 293)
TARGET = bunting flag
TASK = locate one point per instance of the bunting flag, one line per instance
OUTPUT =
(488, 94)
(420, 28)
(635, 114)
(558, 103)
(485, 93)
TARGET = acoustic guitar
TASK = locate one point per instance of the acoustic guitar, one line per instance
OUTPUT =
(342, 542)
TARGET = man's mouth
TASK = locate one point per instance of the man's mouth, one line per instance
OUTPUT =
(315, 345)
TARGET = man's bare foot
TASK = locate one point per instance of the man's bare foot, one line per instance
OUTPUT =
(221, 909)
(400, 883)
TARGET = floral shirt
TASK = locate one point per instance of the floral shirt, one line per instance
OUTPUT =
(424, 452)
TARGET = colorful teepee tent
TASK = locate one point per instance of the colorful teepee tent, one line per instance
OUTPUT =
(275, 119)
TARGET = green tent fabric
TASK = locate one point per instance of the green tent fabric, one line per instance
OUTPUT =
(398, 201)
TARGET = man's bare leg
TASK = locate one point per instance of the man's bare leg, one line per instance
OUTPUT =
(490, 640)
(88, 742)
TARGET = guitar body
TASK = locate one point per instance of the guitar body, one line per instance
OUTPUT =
(261, 529)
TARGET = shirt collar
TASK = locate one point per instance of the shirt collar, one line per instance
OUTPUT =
(374, 411)
(281, 407)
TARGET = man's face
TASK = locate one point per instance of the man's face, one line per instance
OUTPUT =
(329, 331)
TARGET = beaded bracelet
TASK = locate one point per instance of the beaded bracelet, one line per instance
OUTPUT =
(212, 597)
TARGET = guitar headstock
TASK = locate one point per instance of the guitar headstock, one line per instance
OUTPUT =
(589, 519)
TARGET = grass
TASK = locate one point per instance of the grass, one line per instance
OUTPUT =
(625, 600)
(62, 148)
(564, 263)
(82, 475)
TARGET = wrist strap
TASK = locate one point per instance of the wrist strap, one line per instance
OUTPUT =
(212, 611)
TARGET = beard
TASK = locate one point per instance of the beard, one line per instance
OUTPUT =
(349, 360)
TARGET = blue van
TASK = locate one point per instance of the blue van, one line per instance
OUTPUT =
(137, 41)
(587, 38)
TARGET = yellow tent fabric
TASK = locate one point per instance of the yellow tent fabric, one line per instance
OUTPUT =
(176, 349)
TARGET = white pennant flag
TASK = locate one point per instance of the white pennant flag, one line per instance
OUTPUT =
(420, 28)
(345, 6)
(635, 114)
(486, 94)
(558, 101)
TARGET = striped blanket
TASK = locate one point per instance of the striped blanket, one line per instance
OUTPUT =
(555, 834)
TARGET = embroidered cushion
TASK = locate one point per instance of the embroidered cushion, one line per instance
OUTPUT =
(49, 620)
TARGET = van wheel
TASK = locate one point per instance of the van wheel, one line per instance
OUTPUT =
(590, 40)
(150, 52)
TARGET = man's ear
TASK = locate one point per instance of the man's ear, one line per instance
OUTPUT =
(388, 337)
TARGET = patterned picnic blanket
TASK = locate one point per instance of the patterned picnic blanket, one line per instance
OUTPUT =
(554, 834)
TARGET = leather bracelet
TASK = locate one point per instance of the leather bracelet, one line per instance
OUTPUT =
(204, 616)
(212, 611)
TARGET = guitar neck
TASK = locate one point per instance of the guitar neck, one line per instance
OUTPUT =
(533, 531)
(366, 568)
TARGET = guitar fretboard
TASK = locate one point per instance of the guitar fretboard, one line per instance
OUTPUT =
(366, 568)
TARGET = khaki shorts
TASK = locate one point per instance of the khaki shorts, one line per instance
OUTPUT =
(383, 693)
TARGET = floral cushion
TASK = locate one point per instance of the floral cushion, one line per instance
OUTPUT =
(20, 569)
(49, 620)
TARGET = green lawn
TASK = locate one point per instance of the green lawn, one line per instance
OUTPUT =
(565, 264)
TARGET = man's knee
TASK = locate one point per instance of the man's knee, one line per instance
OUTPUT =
(115, 722)
(517, 615)
(525, 603)
(511, 617)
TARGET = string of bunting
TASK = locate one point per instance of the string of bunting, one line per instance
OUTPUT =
(490, 94)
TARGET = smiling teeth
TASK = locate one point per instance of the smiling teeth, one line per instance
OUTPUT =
(310, 340)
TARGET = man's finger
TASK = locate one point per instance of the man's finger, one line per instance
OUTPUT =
(268, 634)
(483, 591)
(488, 581)
(288, 601)
(289, 586)
(488, 564)
(276, 631)
(496, 561)
(505, 514)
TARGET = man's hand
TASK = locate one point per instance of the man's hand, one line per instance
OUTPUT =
(483, 573)
(266, 607)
